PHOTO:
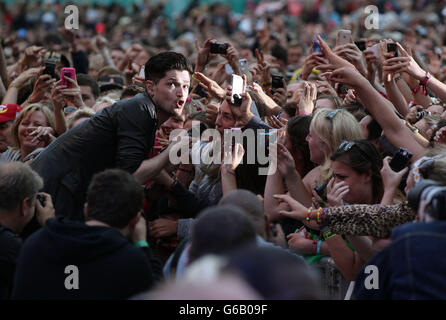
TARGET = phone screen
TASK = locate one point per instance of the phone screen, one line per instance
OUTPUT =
(237, 89)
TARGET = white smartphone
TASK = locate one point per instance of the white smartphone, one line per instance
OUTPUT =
(374, 49)
(237, 90)
(344, 37)
(142, 73)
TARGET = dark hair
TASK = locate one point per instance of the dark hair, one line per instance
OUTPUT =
(362, 157)
(114, 197)
(290, 108)
(219, 230)
(280, 53)
(132, 90)
(298, 128)
(374, 129)
(157, 66)
(87, 80)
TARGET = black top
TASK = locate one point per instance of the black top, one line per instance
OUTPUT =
(119, 136)
(108, 265)
(10, 246)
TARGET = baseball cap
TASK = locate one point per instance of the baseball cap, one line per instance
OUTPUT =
(9, 112)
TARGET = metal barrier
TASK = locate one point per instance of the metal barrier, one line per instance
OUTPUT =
(334, 286)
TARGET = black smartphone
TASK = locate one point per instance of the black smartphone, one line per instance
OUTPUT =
(276, 82)
(320, 190)
(400, 159)
(219, 48)
(50, 69)
(391, 47)
(361, 45)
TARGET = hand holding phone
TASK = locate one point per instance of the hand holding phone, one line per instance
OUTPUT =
(344, 37)
(67, 73)
(237, 90)
(392, 48)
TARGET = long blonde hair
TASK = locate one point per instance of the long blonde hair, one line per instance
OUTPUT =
(342, 126)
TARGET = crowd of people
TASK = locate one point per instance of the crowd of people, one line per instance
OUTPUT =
(352, 120)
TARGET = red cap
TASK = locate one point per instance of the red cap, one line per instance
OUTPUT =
(9, 112)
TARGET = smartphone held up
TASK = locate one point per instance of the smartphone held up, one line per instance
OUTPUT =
(237, 90)
(67, 73)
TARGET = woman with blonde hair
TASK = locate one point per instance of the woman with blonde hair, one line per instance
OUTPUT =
(328, 129)
(32, 130)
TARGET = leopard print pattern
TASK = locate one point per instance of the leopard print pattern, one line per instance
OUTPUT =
(368, 220)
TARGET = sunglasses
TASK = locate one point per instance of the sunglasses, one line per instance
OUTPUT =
(330, 116)
(347, 145)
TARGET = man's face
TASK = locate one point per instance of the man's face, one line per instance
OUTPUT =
(170, 93)
(294, 54)
(5, 135)
(225, 118)
(87, 96)
(174, 122)
(117, 57)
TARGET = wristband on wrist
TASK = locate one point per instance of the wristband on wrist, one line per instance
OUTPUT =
(319, 245)
(326, 233)
(314, 247)
(140, 244)
(308, 214)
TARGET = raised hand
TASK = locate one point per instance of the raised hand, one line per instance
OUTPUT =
(306, 102)
(404, 63)
(391, 179)
(210, 86)
(297, 210)
(336, 192)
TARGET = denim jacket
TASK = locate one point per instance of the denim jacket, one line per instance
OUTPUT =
(412, 267)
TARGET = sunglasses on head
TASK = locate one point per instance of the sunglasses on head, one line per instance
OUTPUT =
(347, 145)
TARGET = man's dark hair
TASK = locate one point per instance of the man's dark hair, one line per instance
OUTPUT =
(219, 230)
(158, 65)
(280, 53)
(87, 80)
(114, 197)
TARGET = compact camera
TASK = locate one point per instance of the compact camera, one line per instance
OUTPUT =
(219, 48)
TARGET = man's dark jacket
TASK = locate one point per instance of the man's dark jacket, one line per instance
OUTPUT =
(109, 266)
(120, 136)
(412, 267)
